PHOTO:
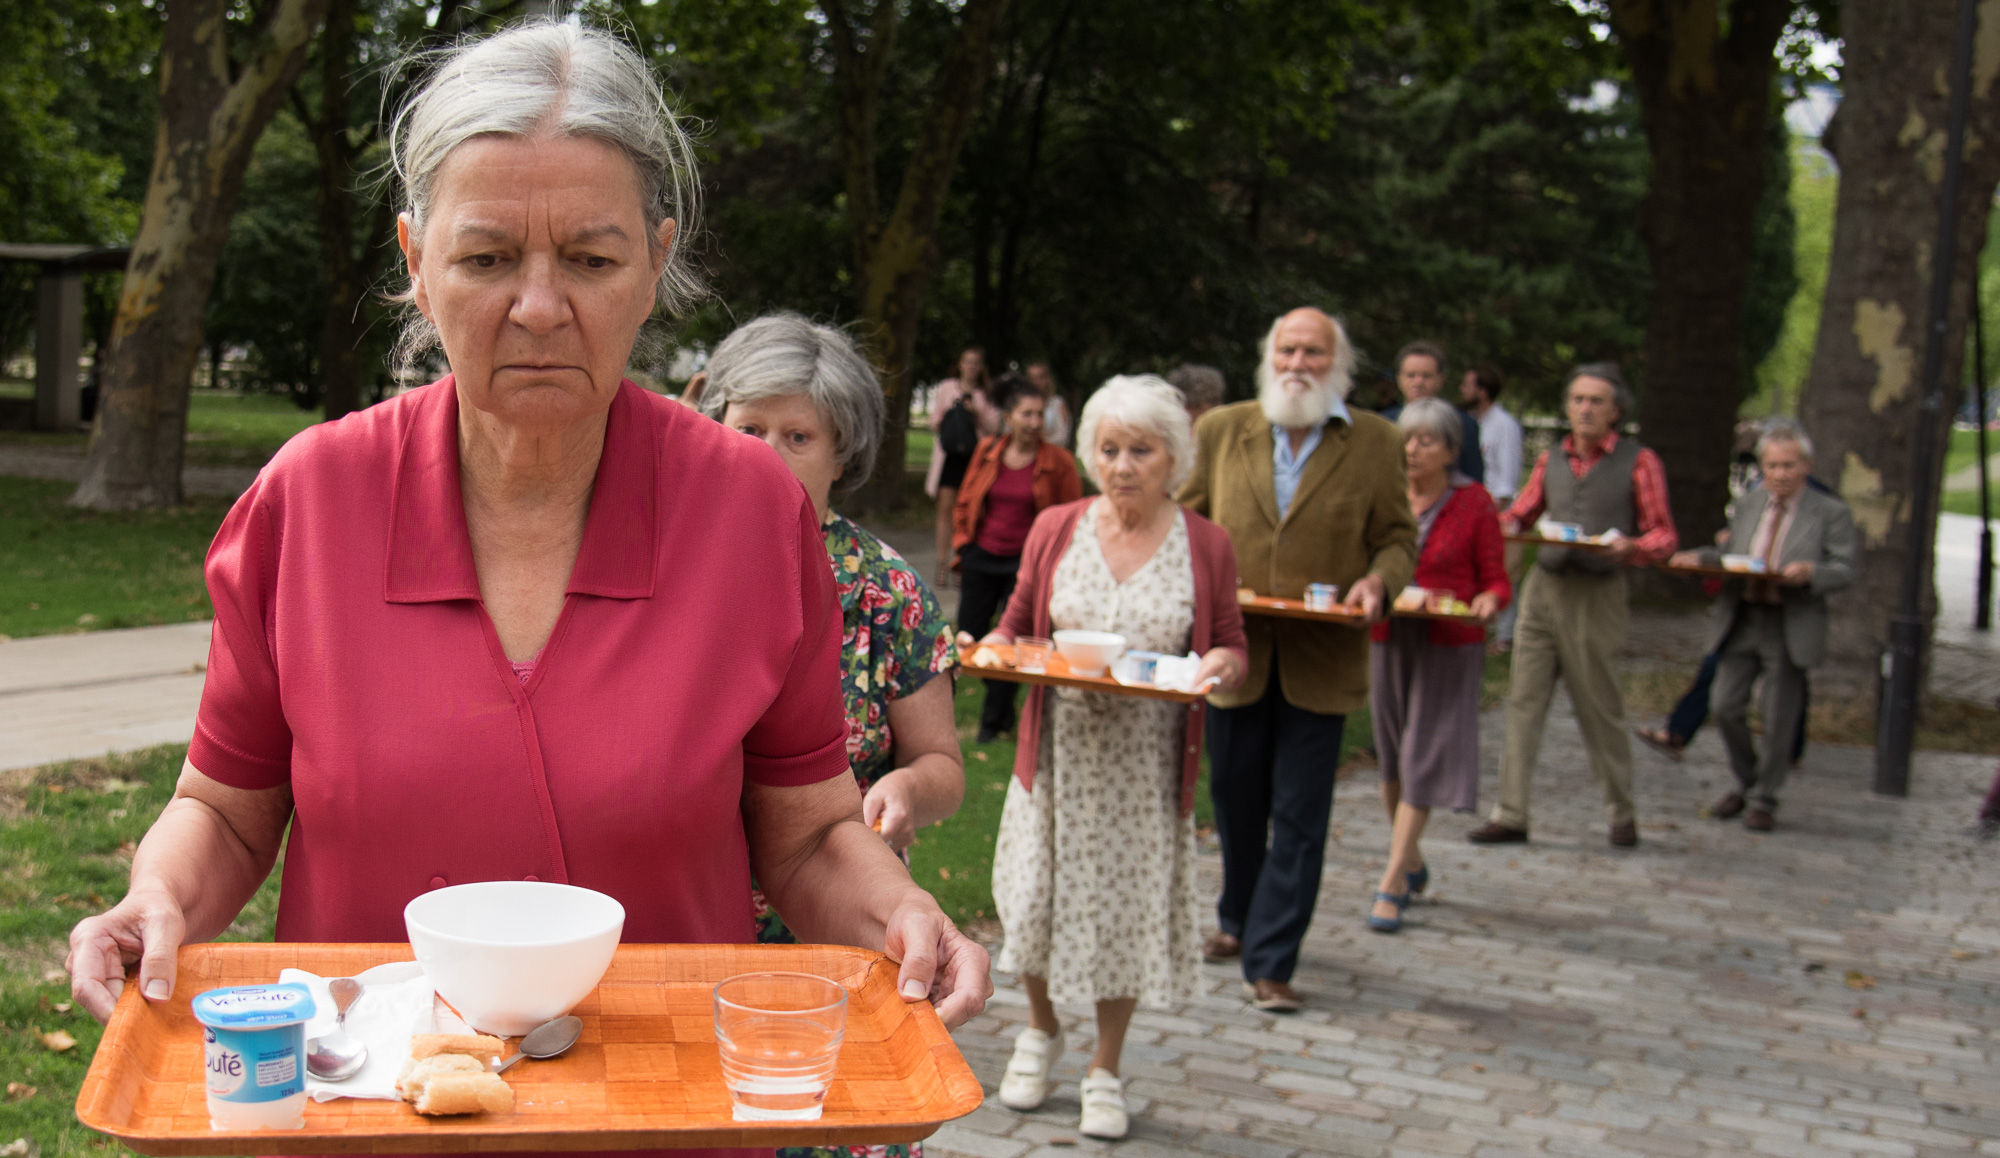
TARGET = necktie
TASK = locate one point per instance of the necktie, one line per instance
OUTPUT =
(1767, 588)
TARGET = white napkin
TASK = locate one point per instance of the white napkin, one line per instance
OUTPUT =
(396, 1001)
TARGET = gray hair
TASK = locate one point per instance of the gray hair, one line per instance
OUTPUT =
(1435, 417)
(547, 77)
(1142, 402)
(1784, 430)
(1621, 394)
(784, 354)
(1342, 374)
(1201, 385)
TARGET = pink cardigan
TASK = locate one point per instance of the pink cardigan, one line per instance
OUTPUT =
(1218, 622)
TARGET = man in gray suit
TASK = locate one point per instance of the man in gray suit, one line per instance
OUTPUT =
(1773, 623)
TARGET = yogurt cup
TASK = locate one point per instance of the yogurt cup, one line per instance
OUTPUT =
(254, 1043)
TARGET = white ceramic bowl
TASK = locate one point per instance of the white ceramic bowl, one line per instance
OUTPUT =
(510, 955)
(1089, 652)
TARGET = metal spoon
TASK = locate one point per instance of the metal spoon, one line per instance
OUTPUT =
(547, 1040)
(336, 1056)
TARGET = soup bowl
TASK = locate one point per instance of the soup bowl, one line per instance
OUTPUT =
(510, 955)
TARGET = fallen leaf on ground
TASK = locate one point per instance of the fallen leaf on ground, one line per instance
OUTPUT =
(1815, 967)
(1963, 954)
(944, 872)
(58, 1041)
(20, 1091)
(1861, 1015)
(1856, 979)
(62, 1007)
(979, 755)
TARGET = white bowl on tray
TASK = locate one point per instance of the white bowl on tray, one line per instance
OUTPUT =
(1088, 653)
(510, 955)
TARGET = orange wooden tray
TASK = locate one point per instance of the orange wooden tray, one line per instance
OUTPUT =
(1058, 676)
(1539, 541)
(645, 1075)
(1712, 572)
(1295, 609)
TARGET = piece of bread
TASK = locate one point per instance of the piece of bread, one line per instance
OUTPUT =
(460, 1093)
(424, 1045)
(417, 1071)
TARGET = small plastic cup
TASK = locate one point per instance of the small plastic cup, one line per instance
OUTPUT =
(779, 1035)
(1322, 596)
(1031, 654)
(254, 1047)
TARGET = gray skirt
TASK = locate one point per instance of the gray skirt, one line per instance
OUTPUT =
(1425, 700)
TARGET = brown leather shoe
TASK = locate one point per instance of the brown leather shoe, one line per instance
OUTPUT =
(1759, 820)
(1221, 947)
(1273, 996)
(1494, 832)
(1728, 808)
(1625, 835)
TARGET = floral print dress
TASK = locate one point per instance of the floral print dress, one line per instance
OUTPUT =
(1093, 870)
(894, 640)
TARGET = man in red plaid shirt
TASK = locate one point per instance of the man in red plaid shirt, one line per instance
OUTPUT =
(1573, 608)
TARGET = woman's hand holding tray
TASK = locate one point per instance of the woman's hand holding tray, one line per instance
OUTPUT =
(644, 1076)
(1058, 675)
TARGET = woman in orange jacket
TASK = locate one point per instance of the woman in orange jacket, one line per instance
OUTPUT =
(1012, 477)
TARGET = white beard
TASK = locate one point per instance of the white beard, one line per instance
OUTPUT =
(1295, 401)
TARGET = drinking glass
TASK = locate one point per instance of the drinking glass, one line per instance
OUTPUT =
(1031, 654)
(779, 1035)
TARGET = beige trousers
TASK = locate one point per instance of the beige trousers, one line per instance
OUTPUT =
(1571, 627)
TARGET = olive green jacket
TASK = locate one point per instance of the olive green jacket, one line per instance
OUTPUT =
(1349, 518)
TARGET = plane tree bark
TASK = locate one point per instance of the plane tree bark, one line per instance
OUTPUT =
(1704, 78)
(1862, 397)
(215, 100)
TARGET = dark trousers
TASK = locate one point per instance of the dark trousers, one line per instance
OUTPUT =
(986, 581)
(1271, 769)
(1691, 712)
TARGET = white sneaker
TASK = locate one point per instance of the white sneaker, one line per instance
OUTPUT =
(1104, 1106)
(1026, 1084)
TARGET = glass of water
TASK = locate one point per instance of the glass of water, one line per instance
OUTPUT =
(779, 1035)
(1031, 654)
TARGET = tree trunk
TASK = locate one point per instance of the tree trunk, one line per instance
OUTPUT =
(1862, 399)
(894, 259)
(1704, 98)
(341, 325)
(209, 123)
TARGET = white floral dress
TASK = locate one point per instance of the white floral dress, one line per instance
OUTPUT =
(1093, 871)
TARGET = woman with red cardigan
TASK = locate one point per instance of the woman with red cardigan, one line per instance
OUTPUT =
(1093, 868)
(1423, 673)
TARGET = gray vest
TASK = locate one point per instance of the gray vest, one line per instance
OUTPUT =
(1599, 501)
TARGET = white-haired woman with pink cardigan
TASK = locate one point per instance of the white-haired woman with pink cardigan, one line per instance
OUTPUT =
(1093, 870)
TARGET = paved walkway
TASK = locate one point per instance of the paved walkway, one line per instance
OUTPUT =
(68, 697)
(1829, 989)
(67, 466)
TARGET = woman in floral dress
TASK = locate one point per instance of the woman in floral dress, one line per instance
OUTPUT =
(807, 391)
(1093, 870)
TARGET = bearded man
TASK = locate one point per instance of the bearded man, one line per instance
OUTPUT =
(1310, 492)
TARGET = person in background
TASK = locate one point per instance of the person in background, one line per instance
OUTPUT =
(971, 388)
(1423, 674)
(807, 391)
(1310, 491)
(1012, 478)
(1203, 387)
(1094, 867)
(1501, 445)
(1419, 369)
(1573, 605)
(1055, 415)
(1773, 624)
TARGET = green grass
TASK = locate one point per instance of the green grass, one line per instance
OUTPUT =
(917, 449)
(63, 569)
(68, 835)
(223, 429)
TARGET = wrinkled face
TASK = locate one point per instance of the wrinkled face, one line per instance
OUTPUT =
(794, 428)
(1592, 407)
(1419, 377)
(1295, 384)
(1785, 468)
(1426, 456)
(536, 269)
(1024, 418)
(1131, 464)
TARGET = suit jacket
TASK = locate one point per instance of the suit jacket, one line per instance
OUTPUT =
(1821, 533)
(1349, 518)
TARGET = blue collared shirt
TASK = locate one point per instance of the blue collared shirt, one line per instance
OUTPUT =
(1286, 467)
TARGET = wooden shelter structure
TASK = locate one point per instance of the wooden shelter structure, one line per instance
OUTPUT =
(59, 323)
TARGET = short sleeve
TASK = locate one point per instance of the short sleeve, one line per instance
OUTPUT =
(802, 736)
(241, 737)
(922, 646)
